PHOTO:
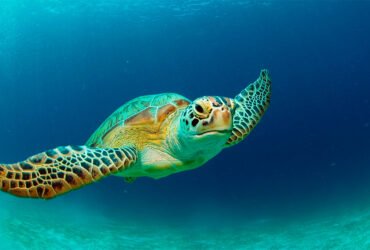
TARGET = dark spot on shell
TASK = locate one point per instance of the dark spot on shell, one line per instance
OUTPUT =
(181, 102)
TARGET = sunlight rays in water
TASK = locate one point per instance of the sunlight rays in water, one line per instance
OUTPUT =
(144, 9)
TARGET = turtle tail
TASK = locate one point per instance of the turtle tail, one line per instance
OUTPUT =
(250, 106)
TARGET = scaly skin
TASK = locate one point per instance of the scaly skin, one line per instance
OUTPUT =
(250, 105)
(63, 169)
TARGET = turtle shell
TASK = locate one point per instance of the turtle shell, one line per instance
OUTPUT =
(143, 110)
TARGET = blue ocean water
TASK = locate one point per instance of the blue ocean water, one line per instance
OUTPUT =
(300, 180)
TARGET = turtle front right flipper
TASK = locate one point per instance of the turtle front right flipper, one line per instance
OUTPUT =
(63, 169)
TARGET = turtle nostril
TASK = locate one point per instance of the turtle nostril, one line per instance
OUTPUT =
(199, 108)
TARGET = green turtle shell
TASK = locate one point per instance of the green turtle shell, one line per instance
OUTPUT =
(152, 104)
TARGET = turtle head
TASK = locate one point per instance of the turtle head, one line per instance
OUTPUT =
(201, 130)
(208, 116)
(204, 128)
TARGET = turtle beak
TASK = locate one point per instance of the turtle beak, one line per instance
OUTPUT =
(220, 120)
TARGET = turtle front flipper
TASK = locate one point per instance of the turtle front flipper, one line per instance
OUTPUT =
(63, 169)
(250, 105)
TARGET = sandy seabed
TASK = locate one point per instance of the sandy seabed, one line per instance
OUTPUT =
(36, 230)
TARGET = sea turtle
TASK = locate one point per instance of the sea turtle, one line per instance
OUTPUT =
(150, 136)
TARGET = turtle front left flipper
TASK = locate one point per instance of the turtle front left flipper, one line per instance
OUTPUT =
(249, 107)
(63, 169)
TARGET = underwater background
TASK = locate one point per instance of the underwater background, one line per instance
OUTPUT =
(301, 180)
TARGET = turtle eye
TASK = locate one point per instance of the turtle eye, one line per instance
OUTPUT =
(199, 108)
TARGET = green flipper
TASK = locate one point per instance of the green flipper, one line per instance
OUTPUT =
(250, 105)
(63, 169)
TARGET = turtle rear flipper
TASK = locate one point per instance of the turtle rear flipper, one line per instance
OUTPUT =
(250, 105)
(63, 169)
